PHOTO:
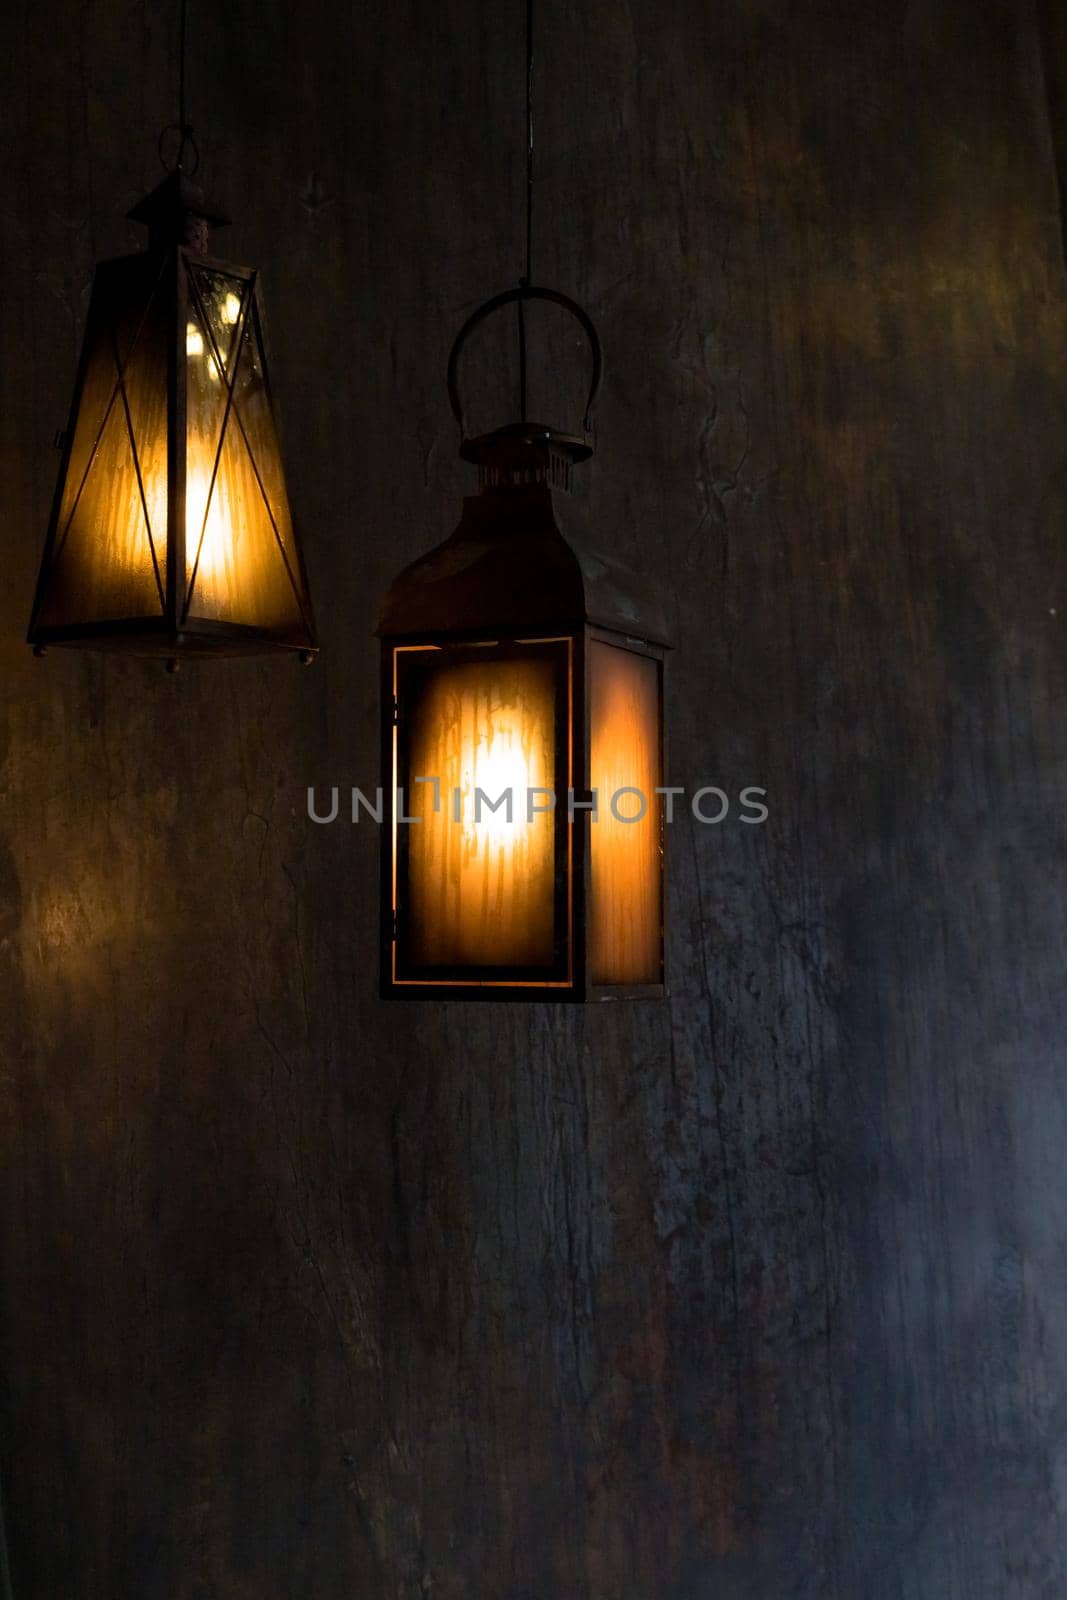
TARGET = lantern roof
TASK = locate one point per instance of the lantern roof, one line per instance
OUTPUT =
(178, 212)
(176, 196)
(508, 567)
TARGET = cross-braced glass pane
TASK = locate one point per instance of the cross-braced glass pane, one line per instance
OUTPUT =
(108, 552)
(241, 557)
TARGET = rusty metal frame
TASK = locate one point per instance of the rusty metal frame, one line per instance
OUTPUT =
(176, 631)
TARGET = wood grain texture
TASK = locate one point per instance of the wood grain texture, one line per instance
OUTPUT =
(759, 1294)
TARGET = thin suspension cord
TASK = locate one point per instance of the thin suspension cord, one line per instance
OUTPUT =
(526, 279)
(529, 136)
(187, 147)
(183, 115)
(5, 1570)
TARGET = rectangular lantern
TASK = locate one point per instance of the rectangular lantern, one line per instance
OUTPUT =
(520, 681)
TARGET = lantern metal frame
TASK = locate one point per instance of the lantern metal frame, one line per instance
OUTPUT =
(505, 580)
(179, 220)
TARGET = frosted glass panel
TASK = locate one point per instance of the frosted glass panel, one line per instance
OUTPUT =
(241, 557)
(478, 893)
(109, 557)
(625, 921)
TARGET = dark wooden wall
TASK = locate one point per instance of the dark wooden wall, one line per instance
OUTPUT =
(755, 1295)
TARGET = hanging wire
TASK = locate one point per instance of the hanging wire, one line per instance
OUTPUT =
(526, 279)
(183, 127)
(529, 137)
(183, 121)
(5, 1570)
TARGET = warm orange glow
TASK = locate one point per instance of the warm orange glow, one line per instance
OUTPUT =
(103, 562)
(110, 558)
(480, 891)
(625, 931)
(216, 553)
(238, 531)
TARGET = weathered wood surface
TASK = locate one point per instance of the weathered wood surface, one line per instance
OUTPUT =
(756, 1295)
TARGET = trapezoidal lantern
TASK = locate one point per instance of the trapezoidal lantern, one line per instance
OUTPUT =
(171, 532)
(523, 744)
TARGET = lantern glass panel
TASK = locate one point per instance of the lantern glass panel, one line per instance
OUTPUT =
(108, 560)
(626, 854)
(241, 560)
(484, 898)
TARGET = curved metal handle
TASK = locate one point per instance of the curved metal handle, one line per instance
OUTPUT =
(186, 141)
(525, 291)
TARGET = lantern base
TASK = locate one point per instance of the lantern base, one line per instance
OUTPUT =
(147, 637)
(526, 993)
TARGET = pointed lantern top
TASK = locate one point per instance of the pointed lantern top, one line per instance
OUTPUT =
(178, 212)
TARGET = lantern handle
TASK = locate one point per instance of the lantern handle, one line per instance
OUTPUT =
(524, 292)
(186, 141)
(183, 127)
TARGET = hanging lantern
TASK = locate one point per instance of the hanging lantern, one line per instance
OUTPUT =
(171, 532)
(523, 745)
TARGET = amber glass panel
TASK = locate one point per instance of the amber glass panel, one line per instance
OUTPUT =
(625, 914)
(108, 558)
(240, 551)
(252, 399)
(479, 895)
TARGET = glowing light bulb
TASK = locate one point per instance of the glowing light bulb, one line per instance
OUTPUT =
(213, 554)
(231, 309)
(216, 555)
(499, 767)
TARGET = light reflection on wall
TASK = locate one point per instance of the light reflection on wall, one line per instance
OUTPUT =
(626, 861)
(77, 935)
(481, 893)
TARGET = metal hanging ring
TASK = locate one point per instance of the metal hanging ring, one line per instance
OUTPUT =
(525, 291)
(186, 141)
